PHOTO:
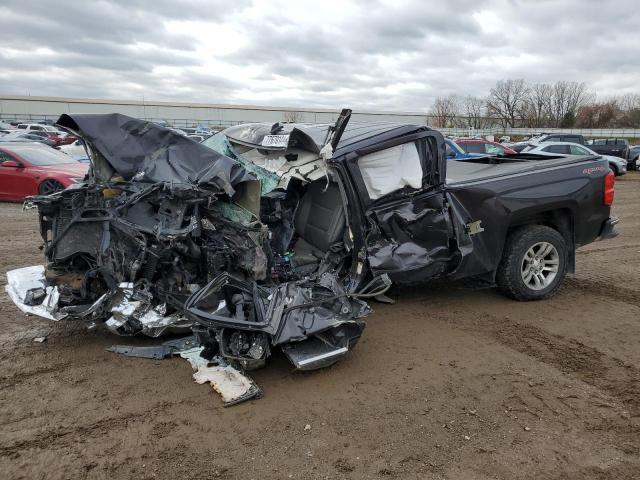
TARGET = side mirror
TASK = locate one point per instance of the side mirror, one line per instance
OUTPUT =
(12, 163)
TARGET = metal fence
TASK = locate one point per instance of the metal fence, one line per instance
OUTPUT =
(629, 133)
(527, 132)
(175, 122)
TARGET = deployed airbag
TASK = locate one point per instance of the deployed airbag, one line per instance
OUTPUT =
(392, 169)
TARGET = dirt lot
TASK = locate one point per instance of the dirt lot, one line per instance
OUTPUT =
(448, 383)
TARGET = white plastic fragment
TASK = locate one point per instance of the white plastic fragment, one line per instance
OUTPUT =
(21, 280)
(230, 383)
(192, 355)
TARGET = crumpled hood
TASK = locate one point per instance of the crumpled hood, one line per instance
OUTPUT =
(150, 153)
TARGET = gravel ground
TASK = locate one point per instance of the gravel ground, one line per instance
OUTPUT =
(449, 383)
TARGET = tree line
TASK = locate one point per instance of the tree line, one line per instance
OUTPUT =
(516, 103)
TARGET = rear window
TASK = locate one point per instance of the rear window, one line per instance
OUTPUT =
(577, 150)
(42, 156)
(22, 126)
(472, 147)
(493, 149)
(561, 149)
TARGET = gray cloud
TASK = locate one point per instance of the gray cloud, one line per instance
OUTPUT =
(363, 54)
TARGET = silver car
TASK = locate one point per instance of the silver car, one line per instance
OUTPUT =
(618, 165)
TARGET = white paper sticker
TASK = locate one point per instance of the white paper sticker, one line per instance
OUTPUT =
(281, 141)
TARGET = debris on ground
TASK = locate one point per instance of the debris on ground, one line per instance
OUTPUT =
(231, 384)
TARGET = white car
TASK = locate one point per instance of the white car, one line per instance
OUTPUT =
(618, 165)
(75, 150)
(31, 127)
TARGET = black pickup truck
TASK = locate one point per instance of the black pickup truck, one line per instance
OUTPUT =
(618, 147)
(273, 235)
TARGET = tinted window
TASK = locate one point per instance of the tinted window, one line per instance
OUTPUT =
(472, 147)
(493, 149)
(561, 149)
(577, 150)
(450, 153)
(42, 157)
(22, 127)
(573, 139)
(5, 157)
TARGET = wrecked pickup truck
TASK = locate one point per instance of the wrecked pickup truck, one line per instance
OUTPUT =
(274, 235)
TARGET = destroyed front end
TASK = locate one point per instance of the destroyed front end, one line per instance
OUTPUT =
(169, 236)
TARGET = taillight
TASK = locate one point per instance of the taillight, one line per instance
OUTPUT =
(609, 187)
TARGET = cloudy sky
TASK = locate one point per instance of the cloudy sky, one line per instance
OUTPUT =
(391, 55)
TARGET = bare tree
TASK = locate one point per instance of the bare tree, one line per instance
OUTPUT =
(474, 110)
(443, 111)
(537, 105)
(598, 115)
(292, 116)
(566, 99)
(507, 99)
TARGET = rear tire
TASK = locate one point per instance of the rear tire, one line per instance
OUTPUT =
(534, 263)
(50, 186)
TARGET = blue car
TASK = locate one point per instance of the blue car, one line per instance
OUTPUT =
(455, 152)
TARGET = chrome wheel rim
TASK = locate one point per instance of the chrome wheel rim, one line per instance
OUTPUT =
(540, 266)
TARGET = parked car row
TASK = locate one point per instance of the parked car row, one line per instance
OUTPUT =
(40, 159)
(617, 165)
(617, 147)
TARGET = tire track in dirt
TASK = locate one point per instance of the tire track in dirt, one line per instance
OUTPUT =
(607, 249)
(608, 374)
(63, 436)
(603, 288)
(9, 381)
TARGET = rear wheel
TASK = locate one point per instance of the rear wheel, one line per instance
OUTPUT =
(50, 186)
(534, 263)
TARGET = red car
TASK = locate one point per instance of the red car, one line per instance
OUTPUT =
(32, 169)
(483, 146)
(55, 137)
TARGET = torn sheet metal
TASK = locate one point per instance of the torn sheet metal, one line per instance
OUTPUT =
(245, 319)
(132, 313)
(151, 153)
(28, 289)
(231, 384)
(158, 352)
(162, 224)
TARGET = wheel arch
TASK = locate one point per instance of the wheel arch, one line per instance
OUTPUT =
(560, 219)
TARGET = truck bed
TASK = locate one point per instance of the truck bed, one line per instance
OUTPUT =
(462, 172)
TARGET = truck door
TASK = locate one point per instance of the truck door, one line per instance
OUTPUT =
(409, 230)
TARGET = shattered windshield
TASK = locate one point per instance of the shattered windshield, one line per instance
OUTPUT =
(274, 168)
